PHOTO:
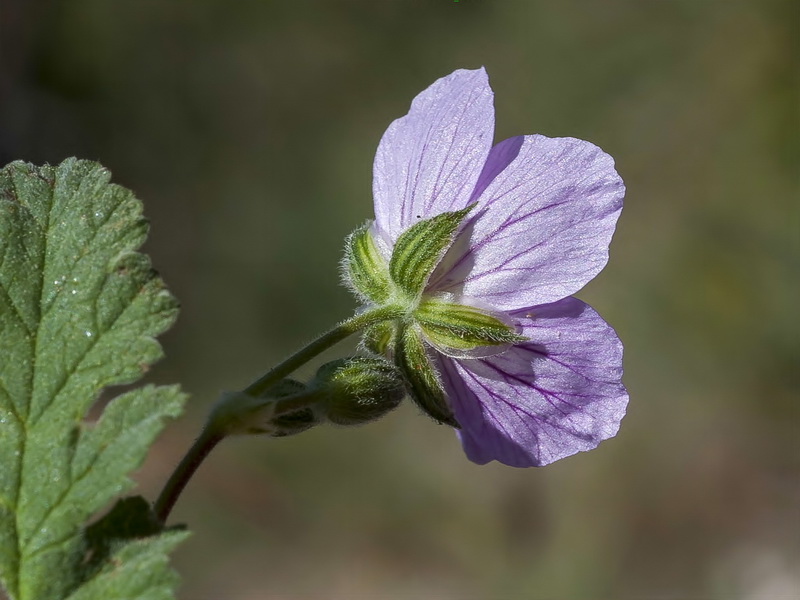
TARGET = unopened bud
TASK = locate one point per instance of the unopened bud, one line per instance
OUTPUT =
(357, 390)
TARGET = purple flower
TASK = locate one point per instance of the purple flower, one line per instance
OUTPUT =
(544, 213)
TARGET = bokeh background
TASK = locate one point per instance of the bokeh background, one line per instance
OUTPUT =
(248, 129)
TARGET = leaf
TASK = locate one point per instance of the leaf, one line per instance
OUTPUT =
(78, 312)
(120, 563)
(131, 518)
(137, 570)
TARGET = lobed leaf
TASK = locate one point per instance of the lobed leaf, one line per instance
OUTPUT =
(137, 570)
(79, 309)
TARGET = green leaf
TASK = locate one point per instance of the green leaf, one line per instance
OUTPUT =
(137, 570)
(420, 248)
(124, 560)
(131, 518)
(79, 309)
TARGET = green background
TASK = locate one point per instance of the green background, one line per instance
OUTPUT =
(248, 128)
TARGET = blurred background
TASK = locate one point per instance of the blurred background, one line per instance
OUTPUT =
(248, 129)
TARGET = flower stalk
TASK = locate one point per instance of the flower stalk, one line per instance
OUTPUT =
(218, 424)
(331, 338)
(201, 448)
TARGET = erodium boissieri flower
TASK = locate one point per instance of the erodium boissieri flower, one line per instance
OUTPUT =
(480, 247)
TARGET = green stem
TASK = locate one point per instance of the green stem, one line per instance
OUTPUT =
(322, 343)
(214, 432)
(183, 472)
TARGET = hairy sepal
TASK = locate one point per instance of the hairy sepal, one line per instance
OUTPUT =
(379, 338)
(420, 248)
(364, 269)
(421, 379)
(463, 331)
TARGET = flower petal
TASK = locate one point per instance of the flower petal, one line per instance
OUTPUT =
(556, 395)
(547, 209)
(429, 160)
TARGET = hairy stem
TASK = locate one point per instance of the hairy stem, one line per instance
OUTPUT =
(214, 431)
(322, 343)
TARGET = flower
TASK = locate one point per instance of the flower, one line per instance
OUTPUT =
(481, 247)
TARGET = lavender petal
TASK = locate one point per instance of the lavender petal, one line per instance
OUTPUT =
(543, 400)
(428, 161)
(547, 208)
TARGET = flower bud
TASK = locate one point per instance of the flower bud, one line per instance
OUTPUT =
(357, 390)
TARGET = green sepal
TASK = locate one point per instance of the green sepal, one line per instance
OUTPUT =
(379, 338)
(420, 248)
(293, 422)
(365, 270)
(456, 329)
(238, 413)
(423, 383)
